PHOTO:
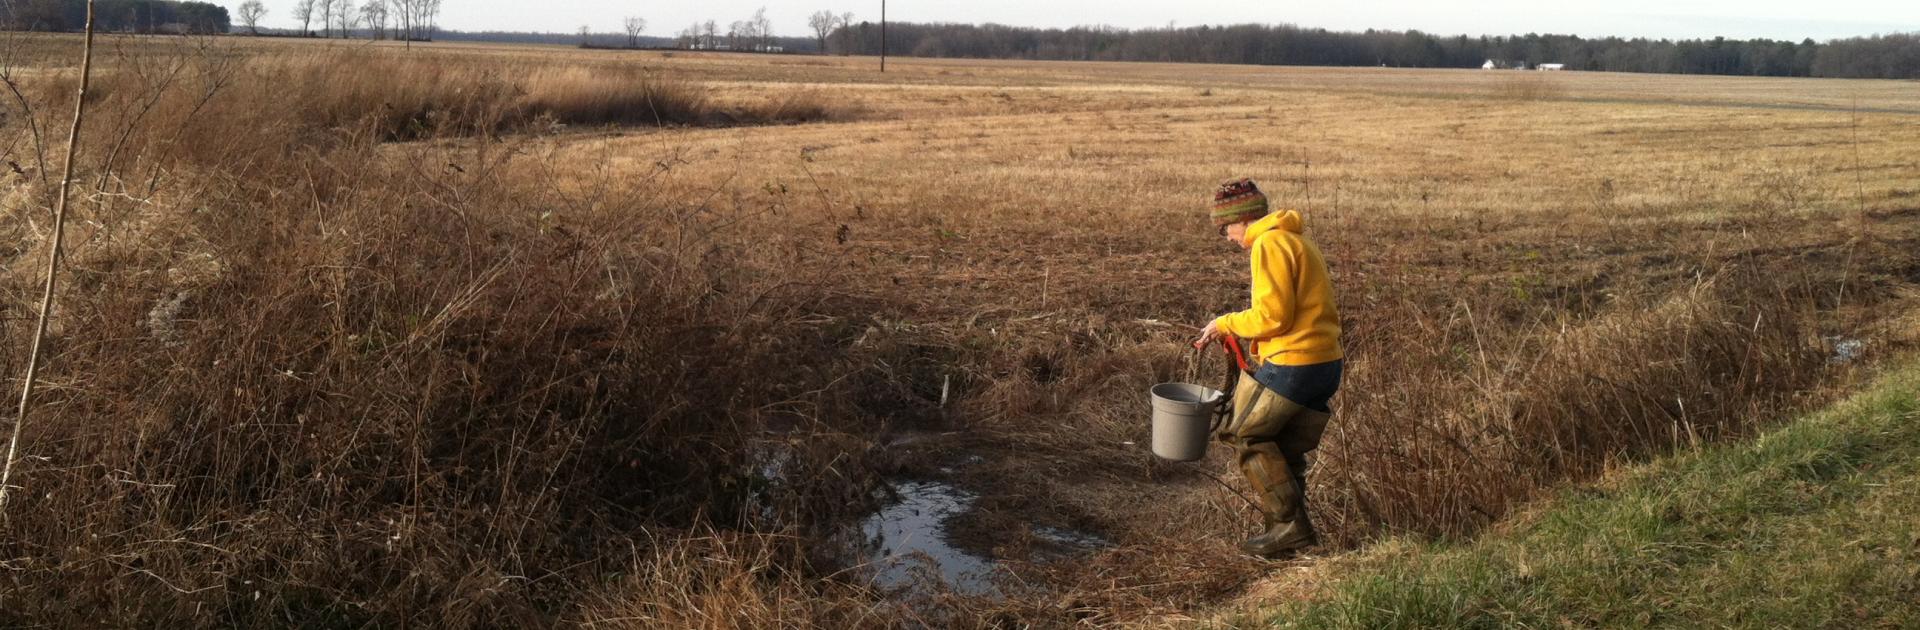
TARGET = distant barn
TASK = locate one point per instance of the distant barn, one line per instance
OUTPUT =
(1553, 66)
(1489, 65)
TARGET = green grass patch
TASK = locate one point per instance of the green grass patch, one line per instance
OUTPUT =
(1816, 524)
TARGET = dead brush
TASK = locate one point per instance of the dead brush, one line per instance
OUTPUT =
(400, 97)
(394, 384)
(1449, 437)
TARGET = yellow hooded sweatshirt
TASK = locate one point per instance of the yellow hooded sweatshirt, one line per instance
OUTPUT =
(1293, 320)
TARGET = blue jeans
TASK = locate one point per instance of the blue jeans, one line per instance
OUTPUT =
(1310, 386)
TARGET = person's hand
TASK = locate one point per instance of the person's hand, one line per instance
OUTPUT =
(1208, 335)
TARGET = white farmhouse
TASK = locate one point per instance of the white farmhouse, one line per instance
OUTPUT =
(1489, 65)
(1553, 66)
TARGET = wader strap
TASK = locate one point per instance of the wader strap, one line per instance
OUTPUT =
(1236, 370)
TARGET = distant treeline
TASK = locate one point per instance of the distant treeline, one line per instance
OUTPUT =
(115, 16)
(602, 39)
(1889, 56)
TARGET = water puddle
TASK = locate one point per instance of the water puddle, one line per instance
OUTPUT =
(1845, 350)
(907, 543)
(768, 478)
(904, 546)
(1070, 539)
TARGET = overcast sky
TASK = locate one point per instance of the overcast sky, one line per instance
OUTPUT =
(1778, 19)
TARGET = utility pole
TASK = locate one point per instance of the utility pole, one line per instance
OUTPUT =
(883, 36)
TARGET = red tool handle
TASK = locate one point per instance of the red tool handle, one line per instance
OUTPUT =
(1232, 345)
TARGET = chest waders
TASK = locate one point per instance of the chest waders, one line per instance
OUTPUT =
(1271, 437)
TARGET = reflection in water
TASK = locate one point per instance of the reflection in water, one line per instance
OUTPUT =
(1845, 350)
(907, 540)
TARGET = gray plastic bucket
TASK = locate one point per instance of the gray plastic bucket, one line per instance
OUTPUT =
(1181, 415)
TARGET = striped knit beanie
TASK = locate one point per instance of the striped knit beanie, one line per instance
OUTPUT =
(1238, 200)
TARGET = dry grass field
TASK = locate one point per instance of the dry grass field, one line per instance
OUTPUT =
(461, 335)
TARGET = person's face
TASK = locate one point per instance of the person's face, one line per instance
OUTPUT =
(1236, 232)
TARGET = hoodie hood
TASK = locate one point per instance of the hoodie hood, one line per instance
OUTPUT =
(1288, 221)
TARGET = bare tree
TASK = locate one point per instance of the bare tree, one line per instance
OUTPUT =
(303, 9)
(403, 19)
(250, 13)
(713, 33)
(762, 30)
(822, 23)
(690, 38)
(846, 33)
(586, 36)
(417, 18)
(735, 32)
(346, 16)
(635, 26)
(430, 18)
(325, 9)
(374, 14)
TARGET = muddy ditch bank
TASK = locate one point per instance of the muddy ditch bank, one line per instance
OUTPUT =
(1053, 509)
(947, 528)
(1009, 473)
(968, 524)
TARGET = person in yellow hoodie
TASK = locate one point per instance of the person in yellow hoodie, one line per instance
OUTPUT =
(1293, 332)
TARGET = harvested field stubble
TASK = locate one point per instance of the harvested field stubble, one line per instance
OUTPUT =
(643, 378)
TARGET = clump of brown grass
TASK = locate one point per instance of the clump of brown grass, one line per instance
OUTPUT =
(729, 581)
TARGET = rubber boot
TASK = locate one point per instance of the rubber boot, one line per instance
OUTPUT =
(1282, 503)
(1302, 436)
(1306, 515)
